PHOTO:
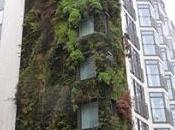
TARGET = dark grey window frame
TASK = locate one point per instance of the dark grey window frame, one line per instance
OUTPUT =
(143, 6)
(141, 125)
(164, 104)
(157, 53)
(156, 63)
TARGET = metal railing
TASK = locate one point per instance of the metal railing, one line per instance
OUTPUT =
(169, 117)
(133, 36)
(129, 7)
(163, 82)
(153, 23)
(151, 1)
(141, 107)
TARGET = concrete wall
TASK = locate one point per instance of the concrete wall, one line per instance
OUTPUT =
(11, 38)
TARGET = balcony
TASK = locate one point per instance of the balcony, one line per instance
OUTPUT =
(152, 2)
(173, 94)
(169, 117)
(165, 41)
(161, 17)
(153, 23)
(170, 67)
(140, 74)
(133, 37)
(163, 82)
(129, 7)
(141, 108)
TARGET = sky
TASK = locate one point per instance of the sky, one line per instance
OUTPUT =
(170, 8)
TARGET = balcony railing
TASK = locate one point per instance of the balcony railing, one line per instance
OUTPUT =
(161, 16)
(169, 117)
(133, 36)
(141, 107)
(163, 82)
(129, 7)
(153, 23)
(165, 41)
(151, 1)
(173, 93)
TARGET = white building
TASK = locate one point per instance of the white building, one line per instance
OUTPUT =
(150, 65)
(11, 20)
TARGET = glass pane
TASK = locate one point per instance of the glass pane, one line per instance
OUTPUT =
(89, 115)
(149, 39)
(87, 69)
(159, 115)
(154, 80)
(1, 4)
(149, 50)
(157, 102)
(87, 27)
(152, 69)
(145, 21)
(144, 12)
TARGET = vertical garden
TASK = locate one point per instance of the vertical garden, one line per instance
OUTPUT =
(52, 91)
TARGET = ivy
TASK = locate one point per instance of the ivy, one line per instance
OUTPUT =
(49, 92)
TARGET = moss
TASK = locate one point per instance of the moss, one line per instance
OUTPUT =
(49, 93)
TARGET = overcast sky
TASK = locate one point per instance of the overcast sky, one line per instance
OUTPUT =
(170, 8)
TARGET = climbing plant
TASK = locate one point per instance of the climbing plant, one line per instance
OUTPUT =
(49, 92)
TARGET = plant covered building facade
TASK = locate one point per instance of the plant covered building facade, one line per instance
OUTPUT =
(87, 65)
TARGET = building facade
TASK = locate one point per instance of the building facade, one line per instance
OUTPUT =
(150, 63)
(11, 20)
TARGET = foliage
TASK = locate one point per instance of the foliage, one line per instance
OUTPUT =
(49, 92)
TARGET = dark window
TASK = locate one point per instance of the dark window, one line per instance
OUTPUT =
(87, 69)
(131, 31)
(135, 64)
(140, 104)
(86, 27)
(89, 115)
(141, 125)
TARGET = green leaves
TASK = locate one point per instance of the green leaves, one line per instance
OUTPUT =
(74, 17)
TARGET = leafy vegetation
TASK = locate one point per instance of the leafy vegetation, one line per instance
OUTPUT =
(48, 90)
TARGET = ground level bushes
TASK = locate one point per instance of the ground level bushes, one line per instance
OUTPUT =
(49, 92)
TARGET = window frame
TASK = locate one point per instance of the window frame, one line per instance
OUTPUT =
(164, 106)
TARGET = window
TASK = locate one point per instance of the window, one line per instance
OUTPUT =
(172, 106)
(161, 129)
(153, 74)
(1, 5)
(171, 92)
(161, 35)
(140, 104)
(141, 125)
(131, 30)
(135, 64)
(86, 27)
(149, 44)
(89, 115)
(158, 107)
(165, 58)
(144, 15)
(87, 69)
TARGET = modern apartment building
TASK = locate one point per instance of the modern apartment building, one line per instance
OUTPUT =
(11, 20)
(150, 63)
